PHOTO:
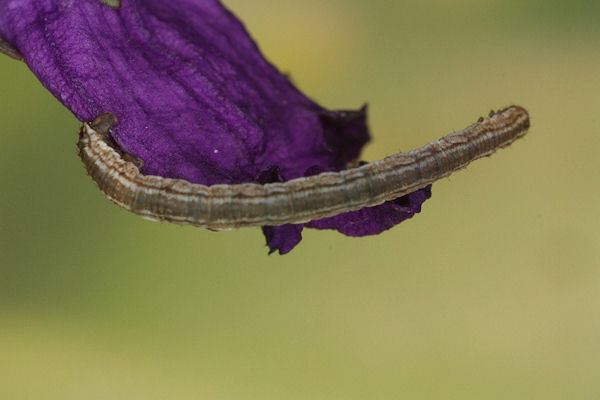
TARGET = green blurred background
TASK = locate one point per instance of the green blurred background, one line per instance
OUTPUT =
(491, 293)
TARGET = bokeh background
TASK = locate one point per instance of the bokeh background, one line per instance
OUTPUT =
(493, 292)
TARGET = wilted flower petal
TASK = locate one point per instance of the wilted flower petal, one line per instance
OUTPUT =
(194, 97)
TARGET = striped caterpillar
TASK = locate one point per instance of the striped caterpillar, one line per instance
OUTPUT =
(222, 207)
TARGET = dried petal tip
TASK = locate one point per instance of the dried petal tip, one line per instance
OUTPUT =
(112, 3)
(10, 51)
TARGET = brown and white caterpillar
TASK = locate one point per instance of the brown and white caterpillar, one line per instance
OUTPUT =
(221, 207)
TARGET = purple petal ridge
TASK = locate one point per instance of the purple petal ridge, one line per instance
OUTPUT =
(195, 98)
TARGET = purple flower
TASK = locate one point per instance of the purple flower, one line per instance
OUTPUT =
(194, 97)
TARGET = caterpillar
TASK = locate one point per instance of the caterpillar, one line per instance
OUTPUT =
(223, 207)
